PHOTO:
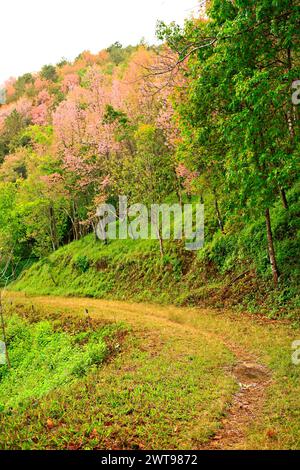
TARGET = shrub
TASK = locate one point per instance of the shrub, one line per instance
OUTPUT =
(82, 263)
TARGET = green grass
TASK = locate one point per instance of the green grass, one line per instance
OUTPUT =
(120, 269)
(126, 269)
(46, 355)
(163, 389)
(166, 383)
(134, 269)
(169, 385)
(270, 343)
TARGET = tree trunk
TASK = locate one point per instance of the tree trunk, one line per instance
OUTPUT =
(75, 222)
(218, 213)
(284, 199)
(75, 231)
(53, 229)
(160, 238)
(271, 249)
(4, 333)
(290, 117)
(94, 226)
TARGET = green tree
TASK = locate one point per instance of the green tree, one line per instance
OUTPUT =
(48, 72)
(12, 135)
(238, 114)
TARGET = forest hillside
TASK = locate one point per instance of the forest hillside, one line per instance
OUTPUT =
(210, 116)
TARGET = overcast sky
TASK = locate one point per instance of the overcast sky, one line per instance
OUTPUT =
(38, 32)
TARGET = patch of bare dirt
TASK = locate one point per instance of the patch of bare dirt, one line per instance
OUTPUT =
(253, 380)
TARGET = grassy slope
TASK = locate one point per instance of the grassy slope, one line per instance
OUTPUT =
(153, 403)
(169, 386)
(127, 269)
(46, 354)
(164, 389)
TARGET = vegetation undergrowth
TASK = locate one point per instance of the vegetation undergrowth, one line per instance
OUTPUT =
(169, 386)
(50, 353)
(159, 391)
(231, 270)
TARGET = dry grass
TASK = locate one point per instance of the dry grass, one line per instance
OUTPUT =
(171, 386)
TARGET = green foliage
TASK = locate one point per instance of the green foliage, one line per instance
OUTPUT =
(160, 380)
(62, 62)
(134, 269)
(12, 136)
(23, 86)
(172, 379)
(34, 134)
(82, 263)
(25, 79)
(240, 130)
(228, 135)
(45, 357)
(118, 54)
(48, 72)
(112, 115)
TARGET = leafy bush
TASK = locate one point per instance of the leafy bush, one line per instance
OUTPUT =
(82, 263)
(44, 358)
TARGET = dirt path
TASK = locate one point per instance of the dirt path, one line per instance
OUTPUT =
(247, 403)
(156, 324)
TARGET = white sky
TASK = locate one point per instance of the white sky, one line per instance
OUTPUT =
(38, 32)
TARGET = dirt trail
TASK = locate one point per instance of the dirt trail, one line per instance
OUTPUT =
(253, 378)
(247, 403)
